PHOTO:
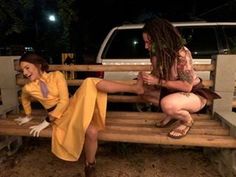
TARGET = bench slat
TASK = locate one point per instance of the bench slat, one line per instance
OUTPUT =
(133, 128)
(206, 124)
(23, 130)
(128, 119)
(121, 121)
(39, 114)
(135, 137)
(113, 68)
(190, 140)
(149, 115)
(154, 130)
(77, 82)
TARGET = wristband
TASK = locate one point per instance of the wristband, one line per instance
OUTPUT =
(48, 119)
(163, 83)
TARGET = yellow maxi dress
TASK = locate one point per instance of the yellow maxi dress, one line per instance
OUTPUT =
(73, 116)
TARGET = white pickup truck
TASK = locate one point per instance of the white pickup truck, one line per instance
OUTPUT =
(124, 45)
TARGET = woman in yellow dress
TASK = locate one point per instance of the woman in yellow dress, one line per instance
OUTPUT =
(75, 121)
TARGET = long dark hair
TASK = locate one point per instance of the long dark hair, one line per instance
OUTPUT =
(35, 59)
(166, 42)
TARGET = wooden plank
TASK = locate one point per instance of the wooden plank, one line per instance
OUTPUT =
(41, 113)
(211, 123)
(149, 115)
(22, 131)
(120, 114)
(11, 122)
(189, 140)
(117, 121)
(196, 137)
(125, 99)
(151, 138)
(77, 82)
(114, 68)
(122, 123)
(118, 68)
(17, 130)
(122, 99)
(130, 99)
(146, 130)
(218, 130)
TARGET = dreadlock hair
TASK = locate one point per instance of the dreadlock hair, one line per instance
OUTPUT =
(166, 42)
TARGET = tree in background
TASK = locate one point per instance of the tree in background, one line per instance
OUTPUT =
(25, 23)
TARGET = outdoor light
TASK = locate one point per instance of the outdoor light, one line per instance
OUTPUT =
(52, 18)
(135, 42)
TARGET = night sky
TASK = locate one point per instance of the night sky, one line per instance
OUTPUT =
(99, 17)
(130, 10)
(93, 19)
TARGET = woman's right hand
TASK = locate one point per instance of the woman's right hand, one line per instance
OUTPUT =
(23, 120)
(149, 79)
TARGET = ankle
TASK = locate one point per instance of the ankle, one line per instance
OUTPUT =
(90, 163)
(89, 169)
(188, 122)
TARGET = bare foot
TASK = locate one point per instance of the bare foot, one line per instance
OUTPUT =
(139, 86)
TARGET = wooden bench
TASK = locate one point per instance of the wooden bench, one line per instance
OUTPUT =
(215, 129)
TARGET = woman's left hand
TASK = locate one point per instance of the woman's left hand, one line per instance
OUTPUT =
(149, 79)
(35, 130)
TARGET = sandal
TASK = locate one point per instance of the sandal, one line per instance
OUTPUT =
(162, 124)
(181, 132)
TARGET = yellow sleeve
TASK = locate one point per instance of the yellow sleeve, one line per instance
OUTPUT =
(26, 101)
(63, 95)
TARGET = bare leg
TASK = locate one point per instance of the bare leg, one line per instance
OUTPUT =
(179, 106)
(91, 144)
(114, 87)
(90, 148)
(164, 122)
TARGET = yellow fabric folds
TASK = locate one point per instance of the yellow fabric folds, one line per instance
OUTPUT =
(69, 132)
(87, 105)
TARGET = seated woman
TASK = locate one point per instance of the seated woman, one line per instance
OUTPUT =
(75, 121)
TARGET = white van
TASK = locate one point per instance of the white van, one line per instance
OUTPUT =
(124, 45)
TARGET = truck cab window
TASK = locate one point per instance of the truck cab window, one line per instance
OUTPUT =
(230, 33)
(202, 42)
(126, 44)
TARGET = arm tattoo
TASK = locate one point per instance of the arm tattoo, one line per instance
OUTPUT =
(186, 75)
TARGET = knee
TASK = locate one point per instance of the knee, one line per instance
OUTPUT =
(91, 133)
(87, 80)
(169, 107)
(86, 84)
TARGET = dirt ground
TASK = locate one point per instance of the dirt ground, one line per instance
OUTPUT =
(34, 159)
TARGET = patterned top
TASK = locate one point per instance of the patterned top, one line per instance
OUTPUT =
(183, 68)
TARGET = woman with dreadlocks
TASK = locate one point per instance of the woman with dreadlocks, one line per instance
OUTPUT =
(182, 90)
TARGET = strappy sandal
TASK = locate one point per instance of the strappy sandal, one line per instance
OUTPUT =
(161, 124)
(181, 132)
